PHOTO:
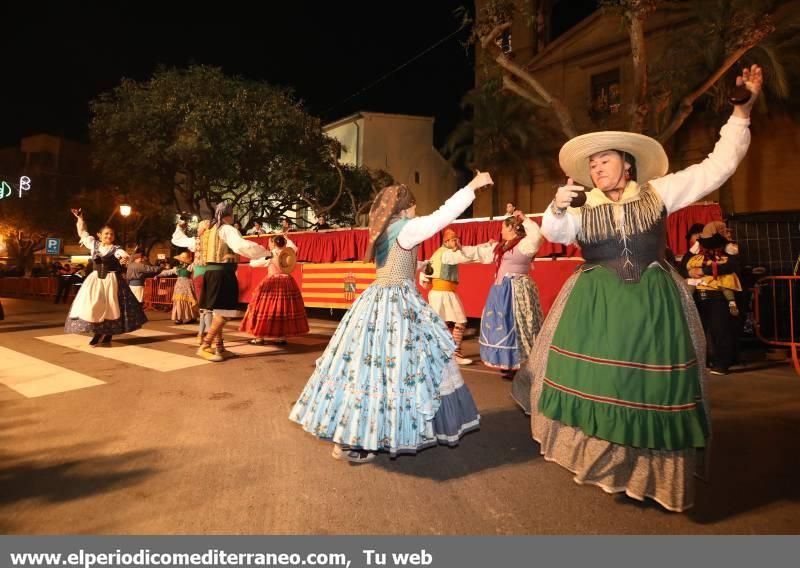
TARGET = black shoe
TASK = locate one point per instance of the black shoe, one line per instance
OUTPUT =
(95, 339)
(719, 371)
(106, 340)
(508, 374)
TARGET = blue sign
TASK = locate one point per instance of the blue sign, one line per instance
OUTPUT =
(52, 246)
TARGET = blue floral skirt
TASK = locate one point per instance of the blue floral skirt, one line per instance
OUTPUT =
(387, 380)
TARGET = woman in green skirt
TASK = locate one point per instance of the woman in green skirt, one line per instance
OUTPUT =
(615, 382)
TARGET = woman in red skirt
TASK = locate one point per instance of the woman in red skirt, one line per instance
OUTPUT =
(277, 310)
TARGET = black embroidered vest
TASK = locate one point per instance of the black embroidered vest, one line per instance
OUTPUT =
(625, 238)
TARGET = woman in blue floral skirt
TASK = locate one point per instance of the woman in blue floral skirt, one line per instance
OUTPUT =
(388, 380)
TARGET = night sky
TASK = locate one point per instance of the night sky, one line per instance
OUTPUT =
(54, 64)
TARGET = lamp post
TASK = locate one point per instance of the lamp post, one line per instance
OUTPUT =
(125, 210)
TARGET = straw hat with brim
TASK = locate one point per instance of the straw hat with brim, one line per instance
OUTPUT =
(651, 159)
(287, 260)
(448, 235)
(184, 257)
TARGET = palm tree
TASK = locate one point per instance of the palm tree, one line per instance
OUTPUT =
(500, 136)
(722, 26)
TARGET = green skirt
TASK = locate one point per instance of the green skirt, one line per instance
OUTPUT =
(622, 366)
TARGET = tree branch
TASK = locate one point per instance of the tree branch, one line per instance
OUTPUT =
(341, 188)
(687, 103)
(510, 85)
(561, 111)
(640, 107)
(492, 36)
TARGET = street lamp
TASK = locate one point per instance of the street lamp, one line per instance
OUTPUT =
(124, 210)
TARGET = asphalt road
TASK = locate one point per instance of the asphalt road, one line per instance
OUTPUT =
(143, 438)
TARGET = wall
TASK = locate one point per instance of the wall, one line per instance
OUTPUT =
(401, 145)
(349, 135)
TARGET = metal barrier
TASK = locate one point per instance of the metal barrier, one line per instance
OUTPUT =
(775, 298)
(29, 287)
(158, 293)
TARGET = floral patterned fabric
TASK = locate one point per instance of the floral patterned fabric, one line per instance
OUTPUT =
(387, 381)
(510, 323)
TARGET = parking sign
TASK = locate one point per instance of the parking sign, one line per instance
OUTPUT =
(52, 246)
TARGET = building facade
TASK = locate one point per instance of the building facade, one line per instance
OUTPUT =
(589, 68)
(402, 146)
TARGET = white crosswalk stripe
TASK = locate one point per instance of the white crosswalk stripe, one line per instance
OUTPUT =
(144, 332)
(236, 346)
(132, 354)
(232, 330)
(229, 331)
(235, 341)
(22, 325)
(32, 377)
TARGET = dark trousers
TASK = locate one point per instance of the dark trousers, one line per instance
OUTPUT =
(64, 287)
(722, 331)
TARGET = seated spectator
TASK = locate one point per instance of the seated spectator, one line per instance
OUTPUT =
(321, 224)
(257, 229)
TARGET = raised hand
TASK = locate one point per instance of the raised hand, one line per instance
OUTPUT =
(77, 212)
(566, 193)
(480, 181)
(751, 79)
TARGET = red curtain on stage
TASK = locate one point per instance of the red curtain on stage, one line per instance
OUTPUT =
(350, 244)
(549, 276)
(476, 279)
(479, 232)
(327, 246)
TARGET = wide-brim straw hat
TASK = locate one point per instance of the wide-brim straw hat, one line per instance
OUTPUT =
(185, 257)
(287, 260)
(651, 159)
